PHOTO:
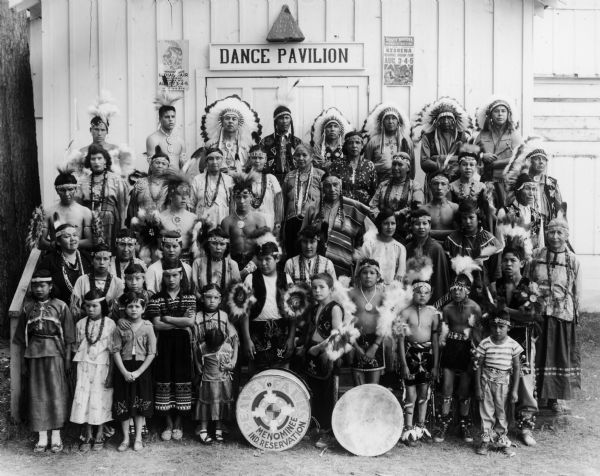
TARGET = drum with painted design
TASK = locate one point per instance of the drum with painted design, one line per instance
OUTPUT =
(367, 420)
(273, 410)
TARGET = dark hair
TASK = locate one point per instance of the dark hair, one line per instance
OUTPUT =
(158, 153)
(324, 277)
(309, 232)
(257, 147)
(100, 247)
(97, 120)
(517, 251)
(65, 178)
(130, 297)
(44, 273)
(350, 135)
(419, 212)
(184, 284)
(97, 149)
(218, 231)
(382, 216)
(162, 110)
(212, 150)
(468, 206)
(133, 268)
(439, 173)
(210, 287)
(97, 294)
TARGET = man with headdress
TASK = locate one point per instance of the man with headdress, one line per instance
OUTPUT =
(165, 136)
(243, 224)
(420, 245)
(517, 297)
(281, 144)
(442, 127)
(232, 126)
(126, 244)
(99, 278)
(67, 210)
(387, 129)
(521, 212)
(442, 210)
(66, 262)
(211, 189)
(101, 113)
(327, 137)
(399, 192)
(473, 241)
(341, 221)
(556, 271)
(498, 138)
(171, 252)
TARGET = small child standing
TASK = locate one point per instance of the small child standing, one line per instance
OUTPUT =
(418, 351)
(133, 350)
(211, 317)
(46, 333)
(215, 398)
(498, 357)
(93, 392)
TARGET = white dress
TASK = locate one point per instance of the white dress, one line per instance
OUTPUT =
(391, 257)
(92, 401)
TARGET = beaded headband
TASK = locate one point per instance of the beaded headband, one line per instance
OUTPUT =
(218, 239)
(401, 157)
(63, 231)
(363, 266)
(169, 239)
(257, 153)
(229, 110)
(66, 186)
(95, 300)
(41, 280)
(499, 320)
(127, 240)
(445, 114)
(417, 285)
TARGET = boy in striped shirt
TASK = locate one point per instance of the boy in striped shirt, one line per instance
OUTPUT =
(498, 372)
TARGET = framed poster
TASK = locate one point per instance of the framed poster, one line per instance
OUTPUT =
(173, 64)
(398, 60)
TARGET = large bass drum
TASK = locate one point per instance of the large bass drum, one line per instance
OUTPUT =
(273, 410)
(367, 420)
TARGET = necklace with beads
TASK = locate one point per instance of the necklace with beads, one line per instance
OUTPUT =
(368, 305)
(241, 223)
(87, 331)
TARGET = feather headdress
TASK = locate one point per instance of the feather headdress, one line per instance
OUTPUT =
(296, 301)
(425, 120)
(419, 269)
(122, 160)
(104, 107)
(464, 266)
(521, 159)
(265, 237)
(373, 124)
(36, 225)
(249, 130)
(166, 97)
(396, 299)
(483, 112)
(240, 300)
(317, 131)
(517, 238)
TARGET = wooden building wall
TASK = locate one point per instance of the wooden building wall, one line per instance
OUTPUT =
(468, 49)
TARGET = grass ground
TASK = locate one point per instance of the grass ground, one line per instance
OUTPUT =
(568, 445)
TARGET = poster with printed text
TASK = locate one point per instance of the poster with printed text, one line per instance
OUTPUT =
(173, 64)
(398, 60)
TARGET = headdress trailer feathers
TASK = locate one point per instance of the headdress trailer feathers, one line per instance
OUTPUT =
(425, 121)
(521, 159)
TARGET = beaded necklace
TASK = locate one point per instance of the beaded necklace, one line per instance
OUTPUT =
(403, 201)
(77, 267)
(209, 202)
(302, 266)
(257, 201)
(91, 341)
(550, 266)
(209, 271)
(306, 191)
(92, 278)
(102, 196)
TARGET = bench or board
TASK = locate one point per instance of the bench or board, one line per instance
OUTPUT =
(13, 314)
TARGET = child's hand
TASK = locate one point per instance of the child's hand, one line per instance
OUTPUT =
(514, 396)
(314, 350)
(124, 324)
(435, 374)
(478, 395)
(488, 158)
(129, 377)
(370, 354)
(404, 372)
(250, 350)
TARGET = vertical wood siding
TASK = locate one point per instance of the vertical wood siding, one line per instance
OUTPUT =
(464, 48)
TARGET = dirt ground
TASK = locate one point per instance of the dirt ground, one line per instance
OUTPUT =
(568, 445)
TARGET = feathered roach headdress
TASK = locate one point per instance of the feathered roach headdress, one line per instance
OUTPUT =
(103, 109)
(243, 180)
(148, 226)
(464, 266)
(165, 98)
(425, 121)
(516, 240)
(296, 301)
(266, 243)
(483, 113)
(396, 299)
(249, 130)
(373, 124)
(419, 270)
(240, 300)
(317, 131)
(521, 160)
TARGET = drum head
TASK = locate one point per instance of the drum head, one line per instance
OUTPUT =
(367, 420)
(273, 410)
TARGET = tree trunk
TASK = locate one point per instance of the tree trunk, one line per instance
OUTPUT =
(19, 179)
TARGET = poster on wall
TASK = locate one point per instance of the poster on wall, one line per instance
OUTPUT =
(173, 64)
(398, 60)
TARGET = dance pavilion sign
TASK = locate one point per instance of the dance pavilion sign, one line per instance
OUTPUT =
(268, 57)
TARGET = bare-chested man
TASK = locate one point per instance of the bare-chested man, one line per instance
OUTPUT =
(67, 210)
(242, 225)
(165, 137)
(368, 362)
(441, 209)
(461, 316)
(418, 352)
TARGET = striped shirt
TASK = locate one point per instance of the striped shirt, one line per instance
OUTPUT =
(498, 356)
(162, 304)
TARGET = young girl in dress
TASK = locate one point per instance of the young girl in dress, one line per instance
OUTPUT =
(133, 350)
(328, 316)
(216, 349)
(135, 281)
(93, 391)
(383, 248)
